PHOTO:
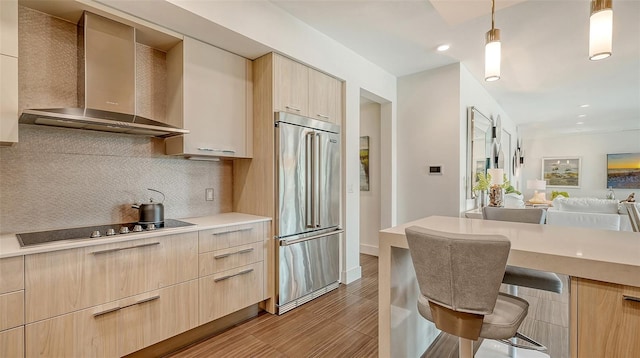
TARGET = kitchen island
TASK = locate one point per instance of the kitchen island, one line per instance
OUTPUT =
(605, 282)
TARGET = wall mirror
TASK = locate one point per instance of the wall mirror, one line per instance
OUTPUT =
(479, 147)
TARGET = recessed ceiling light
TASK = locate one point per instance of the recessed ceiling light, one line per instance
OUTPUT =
(581, 115)
(443, 47)
(584, 105)
(579, 122)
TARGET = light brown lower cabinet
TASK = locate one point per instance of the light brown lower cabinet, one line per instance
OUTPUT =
(12, 342)
(117, 328)
(228, 291)
(605, 319)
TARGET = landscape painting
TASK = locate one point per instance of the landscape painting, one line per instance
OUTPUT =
(623, 171)
(561, 172)
(364, 163)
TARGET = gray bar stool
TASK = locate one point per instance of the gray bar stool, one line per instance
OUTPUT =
(541, 280)
(459, 277)
(634, 215)
(518, 276)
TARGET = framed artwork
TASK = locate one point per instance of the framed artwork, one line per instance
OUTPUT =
(364, 163)
(623, 171)
(561, 172)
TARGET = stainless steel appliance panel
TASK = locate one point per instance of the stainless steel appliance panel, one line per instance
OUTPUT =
(295, 184)
(307, 265)
(328, 193)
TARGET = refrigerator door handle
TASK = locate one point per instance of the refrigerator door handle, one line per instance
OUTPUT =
(285, 242)
(309, 215)
(316, 190)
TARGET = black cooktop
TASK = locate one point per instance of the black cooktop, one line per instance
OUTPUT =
(85, 233)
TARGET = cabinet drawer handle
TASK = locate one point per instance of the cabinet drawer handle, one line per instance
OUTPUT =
(230, 231)
(234, 275)
(230, 151)
(323, 116)
(293, 108)
(148, 299)
(124, 248)
(106, 311)
(233, 253)
(630, 298)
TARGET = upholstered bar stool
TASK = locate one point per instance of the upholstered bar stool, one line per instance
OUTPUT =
(524, 277)
(459, 277)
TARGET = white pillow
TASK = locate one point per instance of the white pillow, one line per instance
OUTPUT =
(586, 205)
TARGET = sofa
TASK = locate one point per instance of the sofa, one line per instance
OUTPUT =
(589, 213)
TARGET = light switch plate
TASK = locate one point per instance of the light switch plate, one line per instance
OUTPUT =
(208, 194)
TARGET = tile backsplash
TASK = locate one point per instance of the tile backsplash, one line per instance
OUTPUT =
(59, 177)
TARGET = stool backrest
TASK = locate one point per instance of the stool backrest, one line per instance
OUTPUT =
(634, 215)
(461, 272)
(530, 215)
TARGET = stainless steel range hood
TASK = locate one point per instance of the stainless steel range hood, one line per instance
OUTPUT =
(106, 84)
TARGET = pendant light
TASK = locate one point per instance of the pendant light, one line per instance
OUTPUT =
(492, 50)
(600, 29)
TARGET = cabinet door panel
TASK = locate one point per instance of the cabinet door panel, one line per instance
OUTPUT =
(8, 100)
(215, 101)
(143, 268)
(229, 291)
(79, 278)
(9, 28)
(291, 86)
(11, 310)
(325, 97)
(12, 342)
(607, 323)
(226, 259)
(11, 274)
(230, 236)
(155, 316)
(77, 334)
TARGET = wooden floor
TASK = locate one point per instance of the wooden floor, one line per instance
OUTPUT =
(344, 323)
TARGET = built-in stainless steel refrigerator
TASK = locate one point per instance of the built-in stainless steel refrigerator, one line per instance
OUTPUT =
(308, 208)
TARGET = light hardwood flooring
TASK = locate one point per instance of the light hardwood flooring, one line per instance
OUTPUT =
(344, 323)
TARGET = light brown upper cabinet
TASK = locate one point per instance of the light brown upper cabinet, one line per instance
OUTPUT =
(325, 97)
(8, 72)
(211, 96)
(302, 90)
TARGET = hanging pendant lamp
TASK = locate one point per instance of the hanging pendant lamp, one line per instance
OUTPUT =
(492, 50)
(600, 29)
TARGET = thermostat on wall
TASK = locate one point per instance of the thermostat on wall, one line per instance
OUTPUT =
(435, 170)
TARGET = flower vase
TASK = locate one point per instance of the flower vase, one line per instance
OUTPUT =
(481, 199)
(496, 195)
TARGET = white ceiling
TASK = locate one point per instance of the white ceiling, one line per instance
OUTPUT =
(546, 73)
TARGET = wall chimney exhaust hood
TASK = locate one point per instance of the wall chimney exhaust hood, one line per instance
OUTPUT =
(106, 84)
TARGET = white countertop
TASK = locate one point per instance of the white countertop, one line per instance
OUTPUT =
(604, 255)
(9, 245)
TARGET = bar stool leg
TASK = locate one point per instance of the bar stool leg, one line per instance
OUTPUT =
(465, 348)
(513, 290)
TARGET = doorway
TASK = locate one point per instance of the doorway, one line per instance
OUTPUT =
(370, 183)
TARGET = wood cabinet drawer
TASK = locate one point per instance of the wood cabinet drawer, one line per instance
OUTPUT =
(158, 315)
(607, 319)
(11, 310)
(230, 236)
(229, 291)
(11, 274)
(75, 279)
(12, 342)
(117, 328)
(226, 259)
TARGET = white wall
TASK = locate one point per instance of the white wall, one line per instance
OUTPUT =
(370, 200)
(592, 148)
(262, 26)
(428, 135)
(432, 130)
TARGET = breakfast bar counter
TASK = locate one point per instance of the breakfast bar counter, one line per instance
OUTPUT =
(602, 264)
